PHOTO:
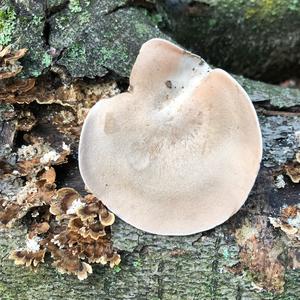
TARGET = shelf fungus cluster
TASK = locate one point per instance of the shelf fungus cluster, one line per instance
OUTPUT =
(74, 230)
(74, 100)
(176, 154)
(288, 221)
(28, 178)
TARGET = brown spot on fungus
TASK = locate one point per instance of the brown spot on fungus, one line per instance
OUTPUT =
(168, 84)
(170, 145)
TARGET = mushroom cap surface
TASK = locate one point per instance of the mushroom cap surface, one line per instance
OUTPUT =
(179, 152)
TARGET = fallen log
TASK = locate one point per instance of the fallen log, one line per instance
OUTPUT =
(254, 255)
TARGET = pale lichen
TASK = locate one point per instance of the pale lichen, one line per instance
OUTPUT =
(279, 182)
(7, 25)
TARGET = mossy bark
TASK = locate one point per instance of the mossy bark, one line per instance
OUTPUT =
(259, 38)
(84, 38)
(201, 266)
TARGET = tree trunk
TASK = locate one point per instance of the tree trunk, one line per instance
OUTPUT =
(245, 258)
(259, 39)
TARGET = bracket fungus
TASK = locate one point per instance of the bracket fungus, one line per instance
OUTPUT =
(176, 154)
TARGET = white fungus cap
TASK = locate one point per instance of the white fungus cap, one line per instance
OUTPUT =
(179, 152)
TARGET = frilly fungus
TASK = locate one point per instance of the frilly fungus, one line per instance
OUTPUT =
(75, 230)
(9, 64)
(76, 237)
(179, 152)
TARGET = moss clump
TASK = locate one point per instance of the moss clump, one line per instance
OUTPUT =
(156, 18)
(268, 10)
(141, 29)
(137, 263)
(37, 20)
(84, 18)
(74, 6)
(109, 54)
(7, 25)
(117, 269)
(76, 51)
(46, 61)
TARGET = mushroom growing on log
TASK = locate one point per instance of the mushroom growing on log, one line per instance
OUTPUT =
(179, 152)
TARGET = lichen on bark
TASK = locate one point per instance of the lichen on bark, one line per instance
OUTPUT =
(246, 37)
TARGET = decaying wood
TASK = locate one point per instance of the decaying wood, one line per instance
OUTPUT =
(254, 255)
(246, 257)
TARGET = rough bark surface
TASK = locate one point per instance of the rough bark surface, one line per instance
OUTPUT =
(258, 38)
(245, 258)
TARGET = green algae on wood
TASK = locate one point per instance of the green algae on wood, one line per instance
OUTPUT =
(22, 24)
(277, 96)
(7, 25)
(109, 39)
(259, 38)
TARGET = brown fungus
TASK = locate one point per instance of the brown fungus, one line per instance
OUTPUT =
(293, 171)
(94, 230)
(12, 90)
(25, 120)
(9, 64)
(179, 152)
(74, 243)
(65, 199)
(28, 258)
(28, 180)
(288, 221)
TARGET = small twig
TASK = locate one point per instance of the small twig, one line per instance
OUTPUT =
(277, 112)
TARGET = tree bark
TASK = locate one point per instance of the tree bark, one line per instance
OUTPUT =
(245, 258)
(259, 39)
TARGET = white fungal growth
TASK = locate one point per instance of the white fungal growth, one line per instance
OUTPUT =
(28, 189)
(27, 152)
(35, 213)
(279, 182)
(77, 204)
(33, 244)
(49, 156)
(65, 147)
